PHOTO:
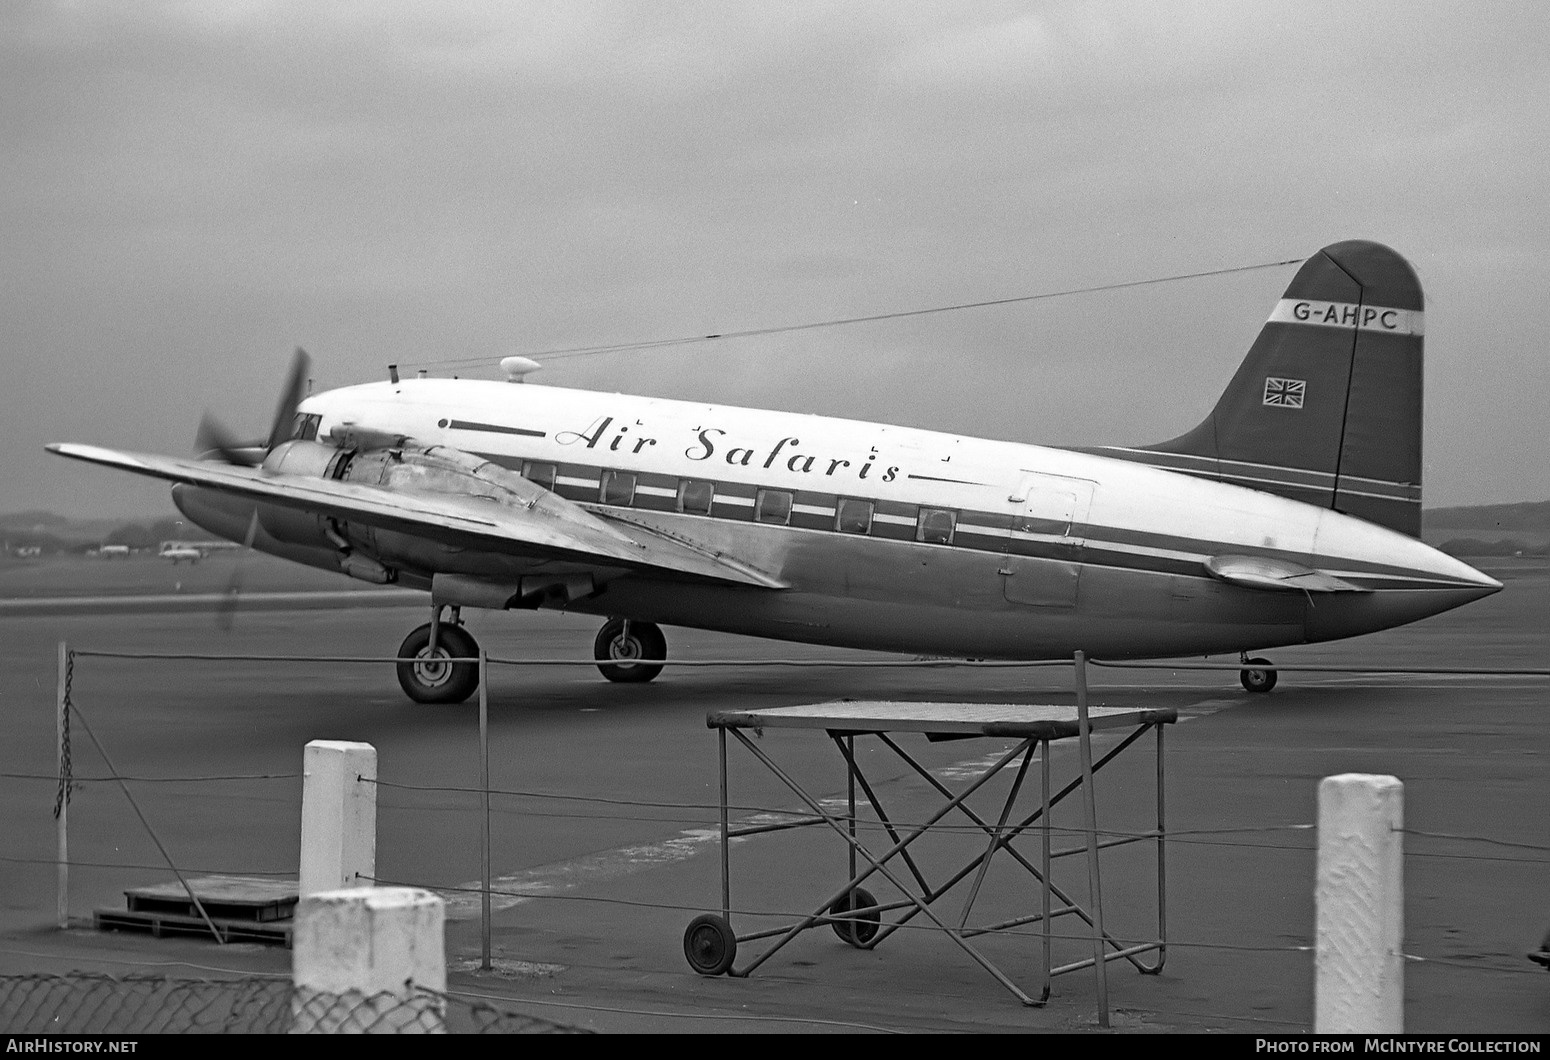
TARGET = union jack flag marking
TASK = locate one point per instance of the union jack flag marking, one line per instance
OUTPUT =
(1287, 393)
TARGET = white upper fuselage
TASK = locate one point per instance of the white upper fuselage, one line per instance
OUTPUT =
(1125, 511)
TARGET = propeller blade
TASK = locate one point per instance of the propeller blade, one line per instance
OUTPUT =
(290, 397)
(226, 609)
(213, 437)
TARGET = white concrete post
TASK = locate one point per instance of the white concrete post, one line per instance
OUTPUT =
(363, 959)
(338, 816)
(1359, 977)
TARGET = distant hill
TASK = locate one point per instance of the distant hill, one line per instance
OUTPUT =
(1531, 516)
(62, 533)
(44, 524)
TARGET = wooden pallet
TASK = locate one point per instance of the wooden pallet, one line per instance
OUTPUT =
(242, 908)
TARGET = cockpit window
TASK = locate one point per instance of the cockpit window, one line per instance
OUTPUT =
(304, 427)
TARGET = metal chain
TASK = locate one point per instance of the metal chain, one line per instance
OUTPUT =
(66, 783)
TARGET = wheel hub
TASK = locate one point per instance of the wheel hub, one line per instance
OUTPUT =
(431, 667)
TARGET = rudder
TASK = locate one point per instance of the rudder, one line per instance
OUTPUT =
(1326, 407)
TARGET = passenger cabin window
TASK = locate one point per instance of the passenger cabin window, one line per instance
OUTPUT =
(935, 526)
(618, 487)
(853, 516)
(539, 474)
(695, 497)
(772, 506)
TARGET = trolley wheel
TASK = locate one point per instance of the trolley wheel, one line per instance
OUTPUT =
(1257, 680)
(710, 946)
(860, 930)
(615, 650)
(427, 676)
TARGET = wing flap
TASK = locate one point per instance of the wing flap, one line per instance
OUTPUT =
(1266, 572)
(557, 529)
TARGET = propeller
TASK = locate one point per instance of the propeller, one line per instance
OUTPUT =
(226, 609)
(213, 437)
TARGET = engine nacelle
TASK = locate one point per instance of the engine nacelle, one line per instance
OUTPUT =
(438, 469)
(290, 525)
(403, 468)
(307, 459)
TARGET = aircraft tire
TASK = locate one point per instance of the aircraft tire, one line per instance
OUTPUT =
(612, 649)
(428, 679)
(861, 930)
(1256, 680)
(710, 945)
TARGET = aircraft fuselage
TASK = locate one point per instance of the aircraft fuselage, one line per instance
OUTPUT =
(884, 537)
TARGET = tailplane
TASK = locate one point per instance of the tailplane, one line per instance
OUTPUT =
(1326, 407)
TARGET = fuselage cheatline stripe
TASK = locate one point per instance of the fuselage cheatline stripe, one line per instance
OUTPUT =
(977, 531)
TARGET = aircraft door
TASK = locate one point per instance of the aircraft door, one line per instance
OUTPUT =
(1041, 567)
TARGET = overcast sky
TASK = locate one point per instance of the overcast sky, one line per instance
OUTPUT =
(189, 190)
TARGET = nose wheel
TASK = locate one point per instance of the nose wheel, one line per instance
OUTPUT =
(1254, 677)
(427, 673)
(620, 642)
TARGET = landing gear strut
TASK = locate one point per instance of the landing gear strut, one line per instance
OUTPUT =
(424, 672)
(1255, 679)
(620, 642)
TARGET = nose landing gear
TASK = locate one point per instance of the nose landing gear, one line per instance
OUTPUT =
(425, 670)
(622, 641)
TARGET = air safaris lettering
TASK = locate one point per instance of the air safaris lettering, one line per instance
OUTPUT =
(594, 434)
(706, 447)
(590, 436)
(711, 444)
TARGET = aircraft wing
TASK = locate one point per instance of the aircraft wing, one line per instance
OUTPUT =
(557, 529)
(1265, 572)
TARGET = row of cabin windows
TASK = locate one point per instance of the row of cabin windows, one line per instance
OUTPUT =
(695, 496)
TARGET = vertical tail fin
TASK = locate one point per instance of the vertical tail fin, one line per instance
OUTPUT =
(1326, 407)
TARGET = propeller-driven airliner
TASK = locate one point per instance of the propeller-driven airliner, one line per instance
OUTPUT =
(179, 551)
(1291, 514)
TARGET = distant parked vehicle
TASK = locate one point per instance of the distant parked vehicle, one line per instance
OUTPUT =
(113, 551)
(178, 551)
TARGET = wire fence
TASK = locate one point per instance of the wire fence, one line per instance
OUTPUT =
(916, 663)
(88, 1004)
(83, 1003)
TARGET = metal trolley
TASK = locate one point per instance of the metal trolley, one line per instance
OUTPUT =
(711, 944)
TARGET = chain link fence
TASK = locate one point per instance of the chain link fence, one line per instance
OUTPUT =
(101, 1004)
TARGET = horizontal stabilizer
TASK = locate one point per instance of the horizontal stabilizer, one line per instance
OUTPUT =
(1265, 572)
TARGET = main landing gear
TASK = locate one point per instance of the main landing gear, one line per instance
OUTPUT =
(425, 671)
(627, 651)
(621, 641)
(1253, 677)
